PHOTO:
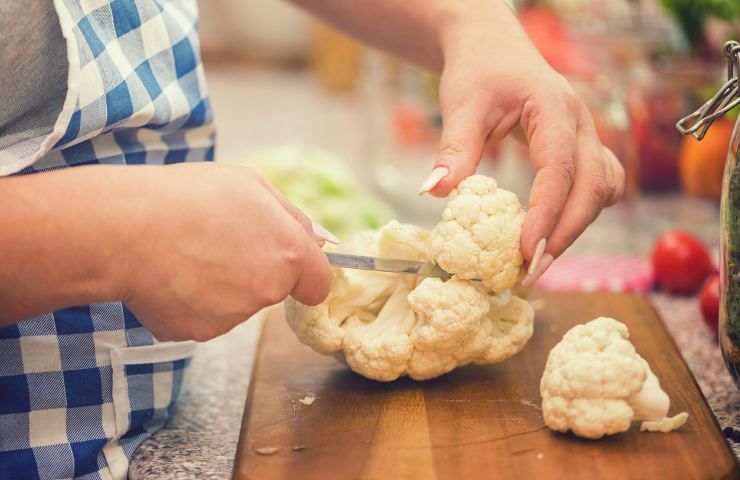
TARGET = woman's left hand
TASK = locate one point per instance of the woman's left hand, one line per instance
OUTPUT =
(493, 81)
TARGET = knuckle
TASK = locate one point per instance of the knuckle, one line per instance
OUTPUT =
(273, 294)
(564, 169)
(293, 252)
(600, 188)
(451, 149)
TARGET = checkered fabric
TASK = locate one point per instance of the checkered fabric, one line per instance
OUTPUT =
(605, 273)
(81, 388)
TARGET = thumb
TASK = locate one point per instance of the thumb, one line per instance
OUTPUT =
(314, 282)
(461, 147)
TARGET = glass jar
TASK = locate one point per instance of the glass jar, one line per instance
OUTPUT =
(697, 125)
(729, 314)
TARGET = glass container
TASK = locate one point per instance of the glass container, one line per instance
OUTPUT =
(697, 125)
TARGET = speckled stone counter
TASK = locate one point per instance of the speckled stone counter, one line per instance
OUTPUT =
(200, 440)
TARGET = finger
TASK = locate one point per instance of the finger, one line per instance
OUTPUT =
(314, 281)
(461, 146)
(320, 233)
(617, 175)
(552, 138)
(594, 187)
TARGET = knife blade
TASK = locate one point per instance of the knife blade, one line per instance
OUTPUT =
(391, 265)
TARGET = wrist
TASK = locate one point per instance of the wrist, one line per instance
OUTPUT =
(112, 209)
(465, 25)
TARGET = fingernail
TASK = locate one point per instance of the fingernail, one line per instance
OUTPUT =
(542, 266)
(433, 179)
(539, 249)
(323, 234)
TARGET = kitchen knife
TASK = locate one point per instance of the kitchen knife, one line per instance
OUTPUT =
(391, 265)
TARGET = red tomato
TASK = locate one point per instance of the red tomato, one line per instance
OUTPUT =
(709, 302)
(681, 262)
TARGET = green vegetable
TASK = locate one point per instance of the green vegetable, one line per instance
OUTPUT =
(691, 15)
(321, 184)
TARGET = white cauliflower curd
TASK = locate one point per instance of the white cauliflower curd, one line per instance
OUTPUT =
(384, 326)
(479, 234)
(595, 384)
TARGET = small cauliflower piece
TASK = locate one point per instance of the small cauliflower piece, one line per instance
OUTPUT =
(665, 425)
(479, 234)
(595, 383)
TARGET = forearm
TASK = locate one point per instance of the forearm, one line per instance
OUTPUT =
(420, 31)
(63, 236)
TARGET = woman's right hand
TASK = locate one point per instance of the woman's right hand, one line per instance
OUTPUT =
(212, 244)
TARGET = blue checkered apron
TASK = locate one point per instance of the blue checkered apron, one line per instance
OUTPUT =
(81, 388)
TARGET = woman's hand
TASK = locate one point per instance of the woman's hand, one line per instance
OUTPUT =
(493, 81)
(193, 249)
(215, 244)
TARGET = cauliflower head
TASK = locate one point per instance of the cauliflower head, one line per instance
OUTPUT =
(595, 384)
(479, 234)
(384, 326)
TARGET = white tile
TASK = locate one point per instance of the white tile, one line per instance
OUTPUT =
(105, 341)
(119, 59)
(154, 35)
(109, 420)
(179, 105)
(40, 354)
(90, 5)
(47, 427)
(90, 84)
(162, 389)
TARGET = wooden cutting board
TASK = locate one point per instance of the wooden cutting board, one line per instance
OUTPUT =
(474, 423)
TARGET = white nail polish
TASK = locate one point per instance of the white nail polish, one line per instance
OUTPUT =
(539, 249)
(433, 179)
(542, 266)
(323, 234)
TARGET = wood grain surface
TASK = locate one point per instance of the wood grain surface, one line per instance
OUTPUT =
(473, 423)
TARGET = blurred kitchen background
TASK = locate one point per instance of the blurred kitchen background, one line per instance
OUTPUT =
(348, 133)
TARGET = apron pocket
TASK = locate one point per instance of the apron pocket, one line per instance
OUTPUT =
(146, 383)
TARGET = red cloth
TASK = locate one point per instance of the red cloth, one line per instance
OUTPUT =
(598, 274)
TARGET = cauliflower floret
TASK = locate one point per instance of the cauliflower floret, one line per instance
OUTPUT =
(385, 325)
(381, 348)
(511, 326)
(449, 314)
(450, 331)
(479, 234)
(401, 240)
(596, 384)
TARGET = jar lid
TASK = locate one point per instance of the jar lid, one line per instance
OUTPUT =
(727, 98)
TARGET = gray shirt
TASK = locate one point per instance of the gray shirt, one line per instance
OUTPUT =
(33, 69)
